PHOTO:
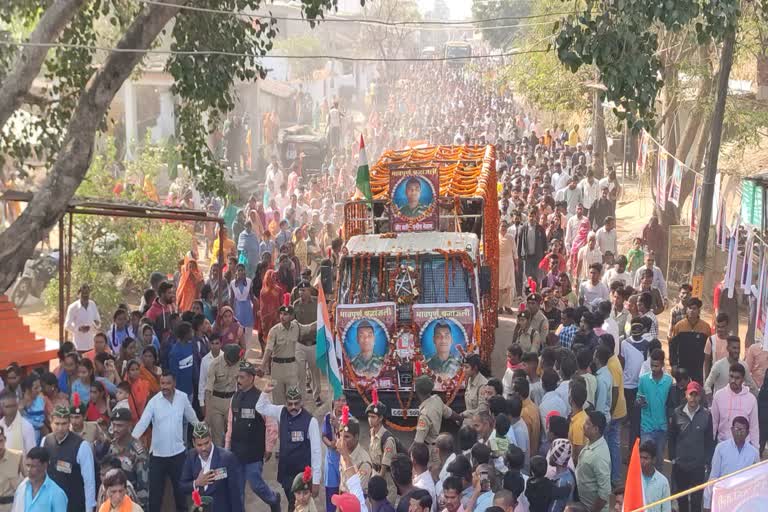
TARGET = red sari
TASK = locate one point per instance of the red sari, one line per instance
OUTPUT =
(270, 300)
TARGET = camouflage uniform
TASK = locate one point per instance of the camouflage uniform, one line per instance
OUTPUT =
(448, 367)
(367, 366)
(135, 461)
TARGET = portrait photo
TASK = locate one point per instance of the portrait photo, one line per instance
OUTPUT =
(366, 342)
(439, 341)
(413, 196)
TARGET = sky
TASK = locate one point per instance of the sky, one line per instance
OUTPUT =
(460, 9)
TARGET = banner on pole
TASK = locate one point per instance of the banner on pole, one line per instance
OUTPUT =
(661, 181)
(695, 204)
(676, 184)
(744, 492)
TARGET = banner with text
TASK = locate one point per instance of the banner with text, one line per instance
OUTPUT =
(414, 199)
(364, 330)
(445, 332)
(744, 492)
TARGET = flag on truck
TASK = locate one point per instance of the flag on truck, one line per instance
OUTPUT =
(363, 180)
(325, 349)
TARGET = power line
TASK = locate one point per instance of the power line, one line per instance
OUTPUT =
(350, 20)
(235, 54)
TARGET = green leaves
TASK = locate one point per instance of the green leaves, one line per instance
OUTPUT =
(621, 42)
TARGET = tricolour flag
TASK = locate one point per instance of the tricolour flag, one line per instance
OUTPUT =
(634, 497)
(326, 349)
(363, 180)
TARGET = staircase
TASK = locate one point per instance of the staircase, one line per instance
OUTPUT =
(18, 343)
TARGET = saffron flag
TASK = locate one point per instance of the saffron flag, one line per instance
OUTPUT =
(363, 180)
(325, 349)
(634, 497)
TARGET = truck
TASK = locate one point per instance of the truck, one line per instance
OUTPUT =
(417, 280)
(457, 51)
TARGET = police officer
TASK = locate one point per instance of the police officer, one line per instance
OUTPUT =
(71, 462)
(475, 382)
(10, 473)
(382, 446)
(350, 436)
(246, 436)
(133, 458)
(219, 389)
(305, 311)
(300, 444)
(90, 431)
(432, 411)
(280, 355)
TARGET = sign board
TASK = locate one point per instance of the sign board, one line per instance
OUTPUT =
(414, 199)
(364, 330)
(751, 203)
(697, 282)
(681, 247)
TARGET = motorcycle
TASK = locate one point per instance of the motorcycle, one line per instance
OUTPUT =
(37, 273)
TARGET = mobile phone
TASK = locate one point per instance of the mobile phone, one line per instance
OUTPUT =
(485, 483)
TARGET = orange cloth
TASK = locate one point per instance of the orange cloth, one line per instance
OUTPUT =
(270, 300)
(190, 282)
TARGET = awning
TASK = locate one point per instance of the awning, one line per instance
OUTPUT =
(276, 88)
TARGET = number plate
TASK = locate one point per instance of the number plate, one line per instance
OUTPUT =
(411, 413)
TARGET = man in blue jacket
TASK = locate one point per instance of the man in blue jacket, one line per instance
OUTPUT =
(213, 471)
(181, 359)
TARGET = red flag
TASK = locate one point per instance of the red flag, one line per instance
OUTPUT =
(633, 488)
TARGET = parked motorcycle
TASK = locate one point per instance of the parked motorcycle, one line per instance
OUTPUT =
(37, 273)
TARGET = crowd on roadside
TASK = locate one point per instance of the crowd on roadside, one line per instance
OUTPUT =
(171, 391)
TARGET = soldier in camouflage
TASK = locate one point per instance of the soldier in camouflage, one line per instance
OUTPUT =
(366, 363)
(443, 362)
(133, 457)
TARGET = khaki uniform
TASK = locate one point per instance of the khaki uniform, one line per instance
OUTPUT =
(135, 462)
(10, 477)
(472, 398)
(306, 355)
(219, 388)
(382, 456)
(282, 343)
(431, 414)
(362, 461)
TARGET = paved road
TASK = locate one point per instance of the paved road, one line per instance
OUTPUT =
(498, 362)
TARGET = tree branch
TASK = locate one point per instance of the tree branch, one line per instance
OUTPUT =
(27, 66)
(50, 202)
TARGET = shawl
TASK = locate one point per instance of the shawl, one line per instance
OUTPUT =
(300, 248)
(231, 333)
(189, 284)
(578, 242)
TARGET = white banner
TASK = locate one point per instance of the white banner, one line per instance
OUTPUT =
(744, 492)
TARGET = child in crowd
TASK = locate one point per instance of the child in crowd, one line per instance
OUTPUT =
(540, 490)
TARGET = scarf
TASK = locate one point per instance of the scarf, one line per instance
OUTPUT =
(125, 506)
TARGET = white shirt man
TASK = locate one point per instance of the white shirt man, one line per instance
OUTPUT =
(19, 435)
(606, 240)
(205, 364)
(82, 321)
(426, 482)
(590, 191)
(275, 177)
(612, 275)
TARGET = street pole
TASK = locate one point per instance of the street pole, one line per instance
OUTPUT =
(710, 170)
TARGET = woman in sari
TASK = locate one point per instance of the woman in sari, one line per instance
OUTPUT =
(150, 371)
(228, 245)
(300, 247)
(98, 407)
(578, 242)
(219, 286)
(270, 300)
(190, 283)
(228, 328)
(140, 389)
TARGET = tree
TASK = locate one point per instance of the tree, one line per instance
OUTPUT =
(499, 37)
(83, 83)
(391, 41)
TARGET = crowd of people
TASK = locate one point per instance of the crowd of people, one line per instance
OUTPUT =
(215, 375)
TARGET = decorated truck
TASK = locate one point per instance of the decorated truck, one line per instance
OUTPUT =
(417, 281)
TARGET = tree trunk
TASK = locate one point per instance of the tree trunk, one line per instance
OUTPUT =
(50, 202)
(26, 68)
(762, 76)
(598, 135)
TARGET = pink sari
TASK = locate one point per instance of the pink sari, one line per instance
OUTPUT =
(579, 242)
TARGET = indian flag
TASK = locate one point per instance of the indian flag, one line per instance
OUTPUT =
(634, 496)
(326, 349)
(363, 180)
